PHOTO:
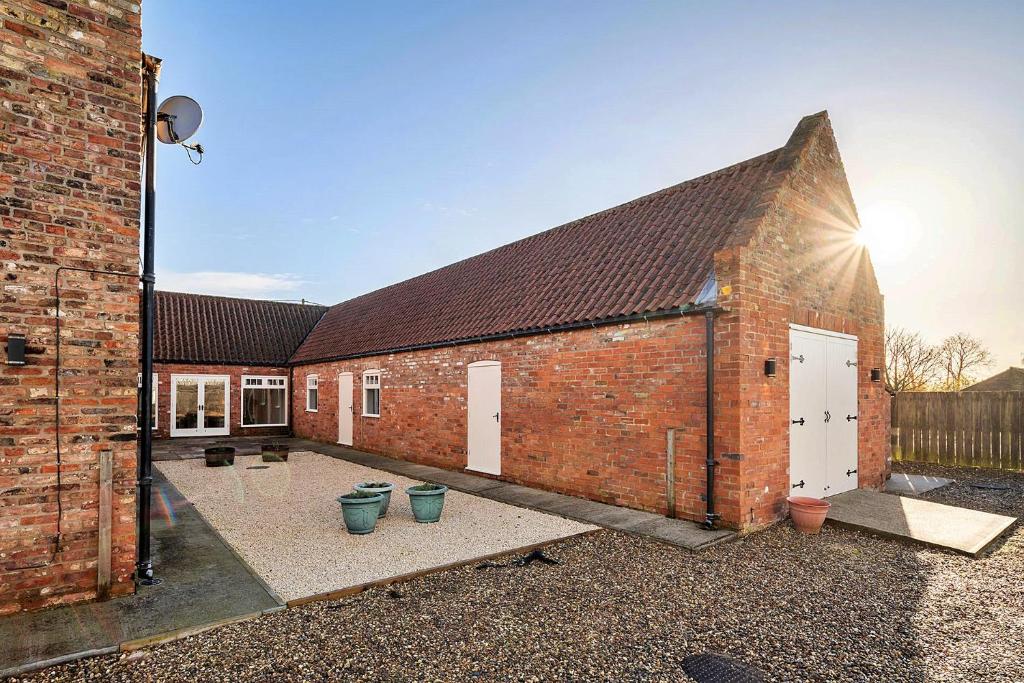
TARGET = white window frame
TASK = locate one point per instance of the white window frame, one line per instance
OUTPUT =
(312, 383)
(155, 401)
(256, 382)
(367, 387)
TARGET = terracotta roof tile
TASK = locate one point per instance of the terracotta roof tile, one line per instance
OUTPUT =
(197, 328)
(651, 254)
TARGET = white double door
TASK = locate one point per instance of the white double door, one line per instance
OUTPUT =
(200, 405)
(823, 412)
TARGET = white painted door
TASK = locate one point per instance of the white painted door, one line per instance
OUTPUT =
(484, 417)
(823, 412)
(345, 408)
(807, 366)
(200, 405)
(841, 402)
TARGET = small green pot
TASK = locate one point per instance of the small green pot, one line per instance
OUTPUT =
(427, 501)
(359, 509)
(375, 487)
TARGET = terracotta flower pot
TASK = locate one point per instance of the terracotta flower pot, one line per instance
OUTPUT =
(808, 513)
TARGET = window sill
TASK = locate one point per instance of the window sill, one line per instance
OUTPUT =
(369, 415)
(281, 424)
(312, 410)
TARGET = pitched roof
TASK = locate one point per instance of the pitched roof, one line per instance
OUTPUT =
(1011, 379)
(649, 255)
(197, 328)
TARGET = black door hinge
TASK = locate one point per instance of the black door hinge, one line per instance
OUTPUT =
(799, 422)
(851, 417)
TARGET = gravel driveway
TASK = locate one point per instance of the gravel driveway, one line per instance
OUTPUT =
(841, 606)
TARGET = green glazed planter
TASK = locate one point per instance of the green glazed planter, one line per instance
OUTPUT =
(427, 501)
(359, 509)
(382, 487)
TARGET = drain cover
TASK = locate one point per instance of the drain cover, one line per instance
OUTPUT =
(258, 467)
(710, 667)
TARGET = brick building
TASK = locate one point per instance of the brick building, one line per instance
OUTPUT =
(569, 360)
(220, 365)
(70, 157)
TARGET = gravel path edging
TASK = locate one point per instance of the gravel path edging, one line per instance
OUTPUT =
(47, 663)
(403, 578)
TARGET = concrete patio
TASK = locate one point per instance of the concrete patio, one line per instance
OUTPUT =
(202, 584)
(676, 532)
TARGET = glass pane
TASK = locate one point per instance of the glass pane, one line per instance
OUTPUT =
(186, 404)
(263, 406)
(213, 403)
(373, 401)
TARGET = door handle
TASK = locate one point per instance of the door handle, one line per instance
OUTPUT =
(496, 416)
(851, 417)
(828, 416)
(799, 422)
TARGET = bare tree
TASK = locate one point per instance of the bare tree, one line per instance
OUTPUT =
(962, 356)
(911, 364)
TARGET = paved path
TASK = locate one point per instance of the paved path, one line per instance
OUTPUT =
(920, 521)
(677, 532)
(203, 583)
(914, 484)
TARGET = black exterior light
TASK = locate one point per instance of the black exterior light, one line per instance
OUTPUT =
(876, 374)
(770, 367)
(15, 349)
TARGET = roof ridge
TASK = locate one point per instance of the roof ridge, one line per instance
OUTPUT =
(697, 180)
(199, 295)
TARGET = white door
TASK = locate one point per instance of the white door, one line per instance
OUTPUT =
(200, 405)
(807, 364)
(484, 417)
(345, 408)
(823, 412)
(841, 402)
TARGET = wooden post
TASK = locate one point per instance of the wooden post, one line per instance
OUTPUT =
(670, 473)
(105, 517)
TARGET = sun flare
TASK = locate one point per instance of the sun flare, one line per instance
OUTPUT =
(888, 230)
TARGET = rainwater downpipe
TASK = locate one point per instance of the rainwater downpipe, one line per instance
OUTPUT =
(709, 496)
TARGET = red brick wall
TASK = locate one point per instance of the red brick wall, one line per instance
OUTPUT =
(802, 266)
(70, 124)
(585, 412)
(235, 372)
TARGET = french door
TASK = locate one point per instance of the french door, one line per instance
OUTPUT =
(200, 405)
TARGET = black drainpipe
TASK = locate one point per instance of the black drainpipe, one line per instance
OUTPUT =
(709, 496)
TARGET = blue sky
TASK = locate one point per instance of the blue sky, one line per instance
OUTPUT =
(353, 145)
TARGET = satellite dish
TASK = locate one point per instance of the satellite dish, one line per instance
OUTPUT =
(178, 119)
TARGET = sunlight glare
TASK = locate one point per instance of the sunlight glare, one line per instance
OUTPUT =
(889, 230)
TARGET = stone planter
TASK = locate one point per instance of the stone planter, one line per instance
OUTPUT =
(360, 510)
(274, 452)
(219, 456)
(808, 513)
(382, 487)
(427, 501)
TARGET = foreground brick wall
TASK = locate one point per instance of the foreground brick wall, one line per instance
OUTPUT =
(801, 266)
(585, 412)
(235, 372)
(70, 135)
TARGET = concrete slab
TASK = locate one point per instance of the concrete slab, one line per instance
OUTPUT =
(920, 521)
(914, 484)
(202, 582)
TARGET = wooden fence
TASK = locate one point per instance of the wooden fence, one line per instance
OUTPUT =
(969, 429)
